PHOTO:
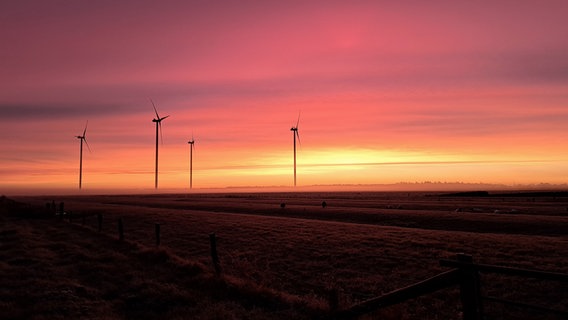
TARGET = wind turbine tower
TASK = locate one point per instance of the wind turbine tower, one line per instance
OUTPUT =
(191, 147)
(82, 138)
(158, 122)
(295, 134)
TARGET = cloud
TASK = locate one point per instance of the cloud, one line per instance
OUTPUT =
(377, 164)
(435, 78)
(538, 66)
(56, 112)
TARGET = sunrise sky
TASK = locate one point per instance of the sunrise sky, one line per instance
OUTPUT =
(388, 91)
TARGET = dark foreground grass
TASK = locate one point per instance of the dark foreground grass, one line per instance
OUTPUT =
(51, 270)
(282, 263)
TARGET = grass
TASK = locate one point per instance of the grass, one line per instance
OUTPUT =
(54, 270)
(276, 262)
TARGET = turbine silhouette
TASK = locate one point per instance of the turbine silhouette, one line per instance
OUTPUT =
(82, 138)
(158, 122)
(191, 147)
(295, 134)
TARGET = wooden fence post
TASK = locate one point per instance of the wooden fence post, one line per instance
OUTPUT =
(54, 210)
(120, 230)
(469, 289)
(157, 229)
(214, 256)
(100, 220)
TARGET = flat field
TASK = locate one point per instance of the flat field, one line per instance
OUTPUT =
(292, 248)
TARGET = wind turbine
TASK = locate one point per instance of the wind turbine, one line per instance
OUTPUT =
(158, 122)
(191, 142)
(295, 134)
(82, 138)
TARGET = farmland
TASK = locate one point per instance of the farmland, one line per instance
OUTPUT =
(292, 248)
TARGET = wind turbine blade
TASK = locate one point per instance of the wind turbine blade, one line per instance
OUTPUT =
(298, 135)
(85, 131)
(86, 143)
(298, 122)
(164, 117)
(155, 110)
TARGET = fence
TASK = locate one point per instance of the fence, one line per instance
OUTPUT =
(466, 275)
(523, 273)
(157, 233)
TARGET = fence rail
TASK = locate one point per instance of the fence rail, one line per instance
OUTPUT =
(438, 282)
(526, 273)
(466, 274)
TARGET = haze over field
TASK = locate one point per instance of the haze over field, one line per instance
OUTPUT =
(388, 92)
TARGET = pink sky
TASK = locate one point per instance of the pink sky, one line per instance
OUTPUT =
(388, 92)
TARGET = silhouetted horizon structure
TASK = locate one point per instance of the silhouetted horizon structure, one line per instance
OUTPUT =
(295, 133)
(191, 147)
(82, 138)
(158, 122)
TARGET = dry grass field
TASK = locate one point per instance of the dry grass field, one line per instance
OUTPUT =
(277, 262)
